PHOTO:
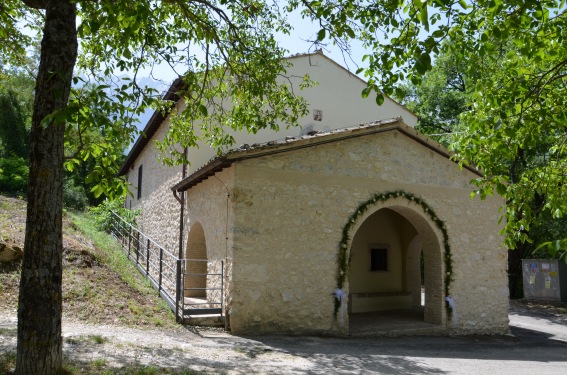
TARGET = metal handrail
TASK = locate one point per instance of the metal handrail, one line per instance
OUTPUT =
(162, 268)
(130, 226)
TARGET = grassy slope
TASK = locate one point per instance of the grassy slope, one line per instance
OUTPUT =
(100, 285)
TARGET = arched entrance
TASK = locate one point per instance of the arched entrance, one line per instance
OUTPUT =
(196, 266)
(393, 244)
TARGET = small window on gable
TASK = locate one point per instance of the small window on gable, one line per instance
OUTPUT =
(140, 182)
(378, 258)
(318, 115)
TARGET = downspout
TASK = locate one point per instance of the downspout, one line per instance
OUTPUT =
(181, 200)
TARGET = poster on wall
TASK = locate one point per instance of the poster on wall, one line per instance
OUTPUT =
(547, 282)
(545, 267)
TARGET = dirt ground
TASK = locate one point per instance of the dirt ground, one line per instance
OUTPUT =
(538, 344)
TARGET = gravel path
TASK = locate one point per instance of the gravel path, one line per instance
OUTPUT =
(538, 345)
(199, 349)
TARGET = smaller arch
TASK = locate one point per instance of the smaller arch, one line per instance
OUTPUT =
(196, 266)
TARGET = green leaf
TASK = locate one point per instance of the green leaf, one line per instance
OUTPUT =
(438, 34)
(321, 34)
(94, 25)
(424, 17)
(350, 32)
(423, 63)
(379, 99)
(97, 190)
(203, 109)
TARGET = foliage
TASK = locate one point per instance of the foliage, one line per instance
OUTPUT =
(16, 104)
(229, 63)
(95, 142)
(235, 83)
(517, 53)
(13, 132)
(345, 244)
(556, 249)
(16, 100)
(103, 214)
(98, 131)
(443, 95)
(440, 98)
(14, 176)
(74, 196)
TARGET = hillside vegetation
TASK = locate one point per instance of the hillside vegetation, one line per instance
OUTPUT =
(100, 285)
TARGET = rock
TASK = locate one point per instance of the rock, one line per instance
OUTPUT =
(9, 253)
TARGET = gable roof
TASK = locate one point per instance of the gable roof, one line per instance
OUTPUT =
(295, 143)
(172, 94)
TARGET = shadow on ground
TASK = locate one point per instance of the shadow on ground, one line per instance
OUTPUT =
(210, 351)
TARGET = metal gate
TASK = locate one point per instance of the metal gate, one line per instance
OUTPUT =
(202, 292)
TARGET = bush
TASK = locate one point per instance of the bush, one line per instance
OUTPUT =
(74, 196)
(14, 175)
(102, 214)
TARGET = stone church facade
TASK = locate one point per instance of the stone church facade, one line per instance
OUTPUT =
(376, 213)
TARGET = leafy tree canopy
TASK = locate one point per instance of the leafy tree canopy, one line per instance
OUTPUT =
(440, 98)
(223, 51)
(516, 51)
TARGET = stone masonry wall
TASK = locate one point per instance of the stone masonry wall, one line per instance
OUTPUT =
(159, 217)
(290, 210)
(208, 204)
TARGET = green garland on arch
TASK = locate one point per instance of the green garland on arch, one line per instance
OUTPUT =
(378, 198)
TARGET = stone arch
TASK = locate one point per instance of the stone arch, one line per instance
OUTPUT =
(196, 266)
(431, 238)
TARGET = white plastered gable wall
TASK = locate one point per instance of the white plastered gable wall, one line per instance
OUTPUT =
(337, 96)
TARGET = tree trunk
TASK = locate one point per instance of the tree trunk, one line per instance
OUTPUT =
(39, 311)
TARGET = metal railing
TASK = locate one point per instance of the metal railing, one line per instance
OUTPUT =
(164, 270)
(202, 291)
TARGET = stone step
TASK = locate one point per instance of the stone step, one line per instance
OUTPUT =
(204, 320)
(399, 332)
